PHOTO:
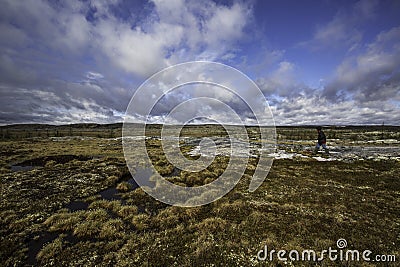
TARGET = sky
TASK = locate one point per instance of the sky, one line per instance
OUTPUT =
(316, 62)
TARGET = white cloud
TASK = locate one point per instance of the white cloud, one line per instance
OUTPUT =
(226, 25)
(42, 25)
(50, 46)
(372, 75)
(94, 75)
(315, 109)
(343, 31)
(336, 33)
(74, 32)
(282, 81)
(175, 35)
(131, 49)
(177, 31)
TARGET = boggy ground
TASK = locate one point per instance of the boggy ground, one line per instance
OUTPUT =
(303, 204)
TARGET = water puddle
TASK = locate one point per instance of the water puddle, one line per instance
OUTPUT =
(77, 205)
(37, 163)
(338, 153)
(112, 193)
(142, 175)
(36, 245)
(18, 168)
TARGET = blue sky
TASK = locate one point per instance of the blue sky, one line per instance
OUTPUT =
(317, 62)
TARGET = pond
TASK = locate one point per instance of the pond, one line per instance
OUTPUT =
(36, 163)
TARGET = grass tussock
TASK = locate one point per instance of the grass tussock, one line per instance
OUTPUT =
(124, 187)
(51, 250)
(141, 222)
(64, 221)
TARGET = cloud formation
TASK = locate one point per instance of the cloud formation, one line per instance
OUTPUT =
(81, 61)
(344, 30)
(372, 75)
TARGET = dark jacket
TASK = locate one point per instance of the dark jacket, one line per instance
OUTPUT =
(321, 137)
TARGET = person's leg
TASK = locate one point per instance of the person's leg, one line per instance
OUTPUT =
(317, 148)
(325, 148)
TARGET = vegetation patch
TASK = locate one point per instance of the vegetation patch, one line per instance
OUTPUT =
(302, 204)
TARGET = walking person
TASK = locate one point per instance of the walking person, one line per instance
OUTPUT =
(321, 140)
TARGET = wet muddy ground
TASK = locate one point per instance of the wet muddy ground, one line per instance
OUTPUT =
(72, 201)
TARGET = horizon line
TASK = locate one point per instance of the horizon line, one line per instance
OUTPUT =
(200, 124)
